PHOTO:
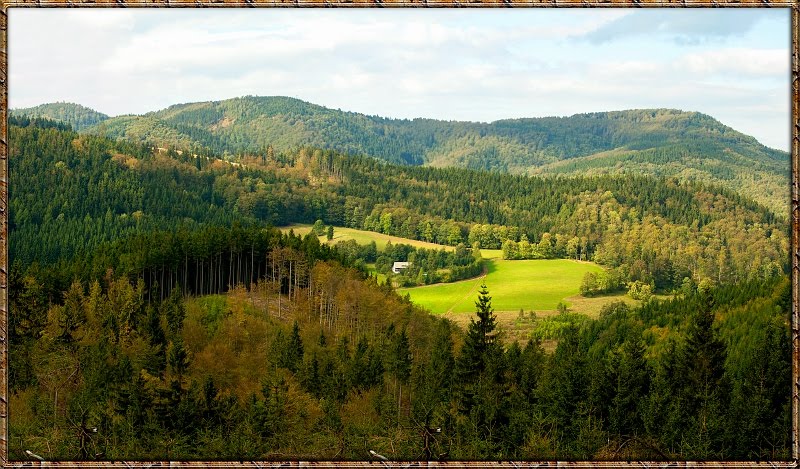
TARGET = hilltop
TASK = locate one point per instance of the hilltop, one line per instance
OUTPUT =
(77, 116)
(663, 142)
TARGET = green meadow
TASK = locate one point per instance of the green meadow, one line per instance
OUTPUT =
(532, 285)
(514, 285)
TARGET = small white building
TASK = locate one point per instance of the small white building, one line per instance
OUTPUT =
(399, 266)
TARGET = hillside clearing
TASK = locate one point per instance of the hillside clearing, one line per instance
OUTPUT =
(528, 285)
(536, 285)
(363, 237)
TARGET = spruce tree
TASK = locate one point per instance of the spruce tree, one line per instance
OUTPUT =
(292, 354)
(480, 371)
(631, 384)
(158, 341)
(175, 311)
(479, 341)
(704, 385)
(401, 356)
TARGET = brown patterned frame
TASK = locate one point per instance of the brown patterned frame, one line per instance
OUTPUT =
(795, 221)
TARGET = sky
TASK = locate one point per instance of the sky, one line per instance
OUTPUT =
(452, 64)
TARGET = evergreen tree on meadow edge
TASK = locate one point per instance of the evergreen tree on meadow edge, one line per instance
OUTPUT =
(479, 343)
(481, 397)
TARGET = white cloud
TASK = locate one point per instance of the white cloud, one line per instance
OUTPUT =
(748, 62)
(628, 70)
(450, 64)
(102, 18)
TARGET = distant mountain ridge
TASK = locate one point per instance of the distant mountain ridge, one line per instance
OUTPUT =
(667, 142)
(77, 116)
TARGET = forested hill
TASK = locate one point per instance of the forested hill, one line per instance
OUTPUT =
(689, 145)
(77, 116)
(75, 192)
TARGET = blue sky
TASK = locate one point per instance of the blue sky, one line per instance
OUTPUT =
(454, 64)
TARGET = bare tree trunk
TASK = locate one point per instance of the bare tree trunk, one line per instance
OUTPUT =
(289, 279)
(399, 399)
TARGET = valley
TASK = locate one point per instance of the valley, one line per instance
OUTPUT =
(532, 285)
(521, 287)
(560, 284)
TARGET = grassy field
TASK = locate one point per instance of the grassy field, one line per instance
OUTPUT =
(591, 306)
(537, 285)
(531, 285)
(363, 237)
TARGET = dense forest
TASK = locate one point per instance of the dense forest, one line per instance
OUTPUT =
(338, 366)
(687, 145)
(156, 314)
(659, 231)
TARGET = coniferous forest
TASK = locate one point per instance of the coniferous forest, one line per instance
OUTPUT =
(156, 312)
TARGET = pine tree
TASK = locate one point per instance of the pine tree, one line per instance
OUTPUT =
(292, 354)
(480, 372)
(479, 341)
(704, 386)
(175, 311)
(631, 383)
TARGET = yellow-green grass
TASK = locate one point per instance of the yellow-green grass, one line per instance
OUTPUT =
(591, 306)
(491, 253)
(513, 285)
(508, 323)
(363, 237)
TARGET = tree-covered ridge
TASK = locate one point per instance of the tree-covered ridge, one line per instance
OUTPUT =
(688, 145)
(73, 192)
(77, 116)
(689, 162)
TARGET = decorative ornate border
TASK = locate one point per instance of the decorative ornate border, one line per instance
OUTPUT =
(795, 218)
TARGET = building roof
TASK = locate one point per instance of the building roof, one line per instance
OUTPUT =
(399, 265)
